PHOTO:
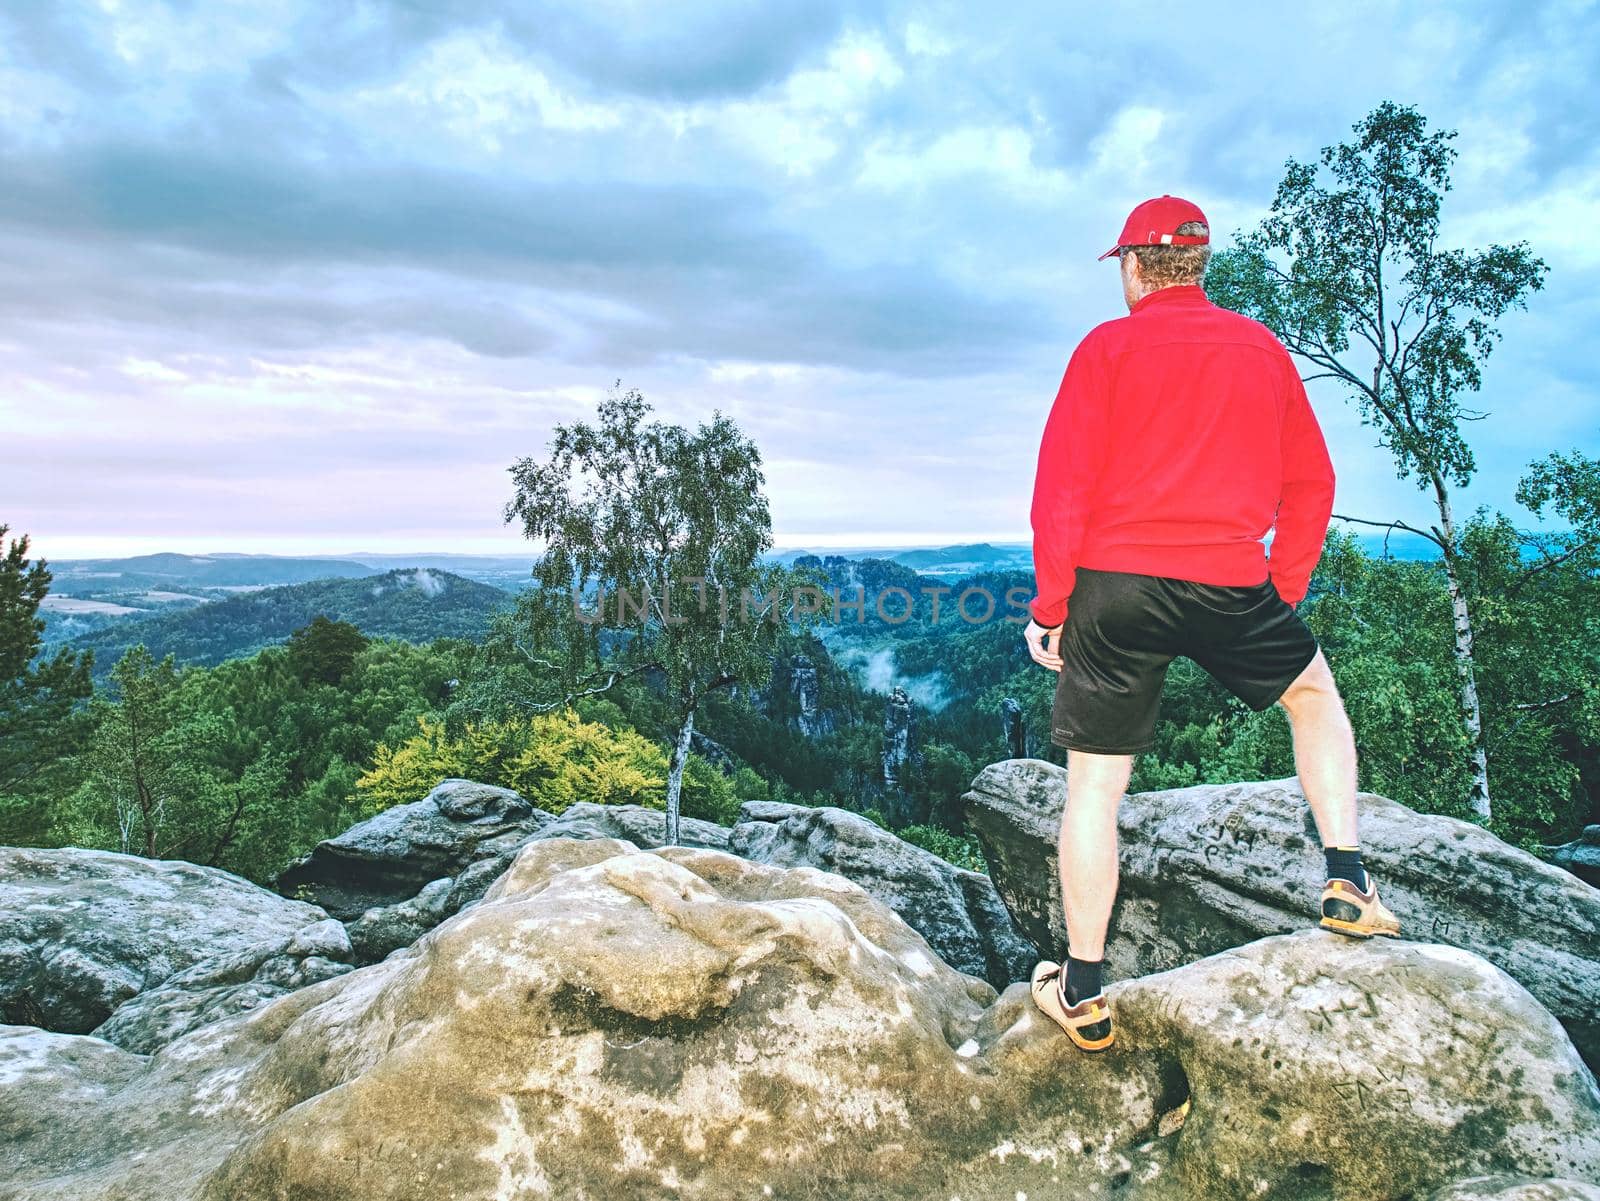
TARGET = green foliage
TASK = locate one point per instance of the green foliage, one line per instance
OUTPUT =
(552, 759)
(43, 718)
(1538, 657)
(963, 851)
(1569, 485)
(939, 780)
(707, 793)
(152, 783)
(244, 765)
(670, 526)
(325, 651)
(748, 785)
(1347, 270)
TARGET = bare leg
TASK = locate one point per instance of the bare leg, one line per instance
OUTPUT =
(1087, 847)
(1324, 751)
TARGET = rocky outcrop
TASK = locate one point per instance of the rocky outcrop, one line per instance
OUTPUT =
(639, 824)
(1280, 1101)
(228, 984)
(81, 931)
(1581, 856)
(713, 752)
(811, 718)
(383, 929)
(611, 1022)
(1013, 730)
(1516, 1188)
(957, 911)
(900, 757)
(386, 928)
(388, 858)
(1210, 867)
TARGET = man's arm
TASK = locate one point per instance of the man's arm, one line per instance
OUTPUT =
(1306, 499)
(1070, 455)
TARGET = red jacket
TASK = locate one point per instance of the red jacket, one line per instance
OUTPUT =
(1180, 432)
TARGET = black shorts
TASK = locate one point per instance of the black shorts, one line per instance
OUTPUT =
(1123, 629)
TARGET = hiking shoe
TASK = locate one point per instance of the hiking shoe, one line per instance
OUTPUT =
(1349, 911)
(1088, 1023)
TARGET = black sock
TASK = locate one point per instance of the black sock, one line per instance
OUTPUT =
(1345, 863)
(1082, 979)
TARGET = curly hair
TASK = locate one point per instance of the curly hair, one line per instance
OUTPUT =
(1160, 266)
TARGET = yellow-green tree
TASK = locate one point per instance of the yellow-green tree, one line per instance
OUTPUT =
(552, 759)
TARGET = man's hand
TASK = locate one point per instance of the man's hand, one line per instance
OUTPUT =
(1044, 645)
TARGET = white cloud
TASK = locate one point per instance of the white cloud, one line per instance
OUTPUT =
(999, 151)
(479, 89)
(298, 270)
(802, 125)
(1554, 221)
(1126, 149)
(923, 39)
(147, 370)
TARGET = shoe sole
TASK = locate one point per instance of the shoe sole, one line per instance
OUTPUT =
(1353, 930)
(1083, 1044)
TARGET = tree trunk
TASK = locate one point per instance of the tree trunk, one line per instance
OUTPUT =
(1471, 710)
(147, 806)
(680, 756)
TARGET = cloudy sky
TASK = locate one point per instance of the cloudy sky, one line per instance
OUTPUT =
(309, 275)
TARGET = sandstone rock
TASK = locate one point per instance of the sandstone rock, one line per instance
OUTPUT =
(1013, 730)
(956, 910)
(713, 752)
(387, 928)
(639, 824)
(900, 753)
(327, 938)
(1210, 867)
(383, 929)
(1516, 1188)
(1581, 856)
(227, 984)
(613, 1023)
(388, 858)
(812, 719)
(1361, 1068)
(81, 931)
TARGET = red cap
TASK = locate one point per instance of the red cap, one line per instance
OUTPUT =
(1155, 223)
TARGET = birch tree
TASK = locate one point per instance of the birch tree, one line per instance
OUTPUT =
(1348, 271)
(651, 566)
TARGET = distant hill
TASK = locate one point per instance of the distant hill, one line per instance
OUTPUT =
(210, 607)
(967, 558)
(972, 558)
(944, 561)
(417, 605)
(175, 572)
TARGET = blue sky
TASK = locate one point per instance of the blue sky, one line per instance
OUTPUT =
(307, 276)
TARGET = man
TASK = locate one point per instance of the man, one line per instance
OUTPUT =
(1180, 435)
